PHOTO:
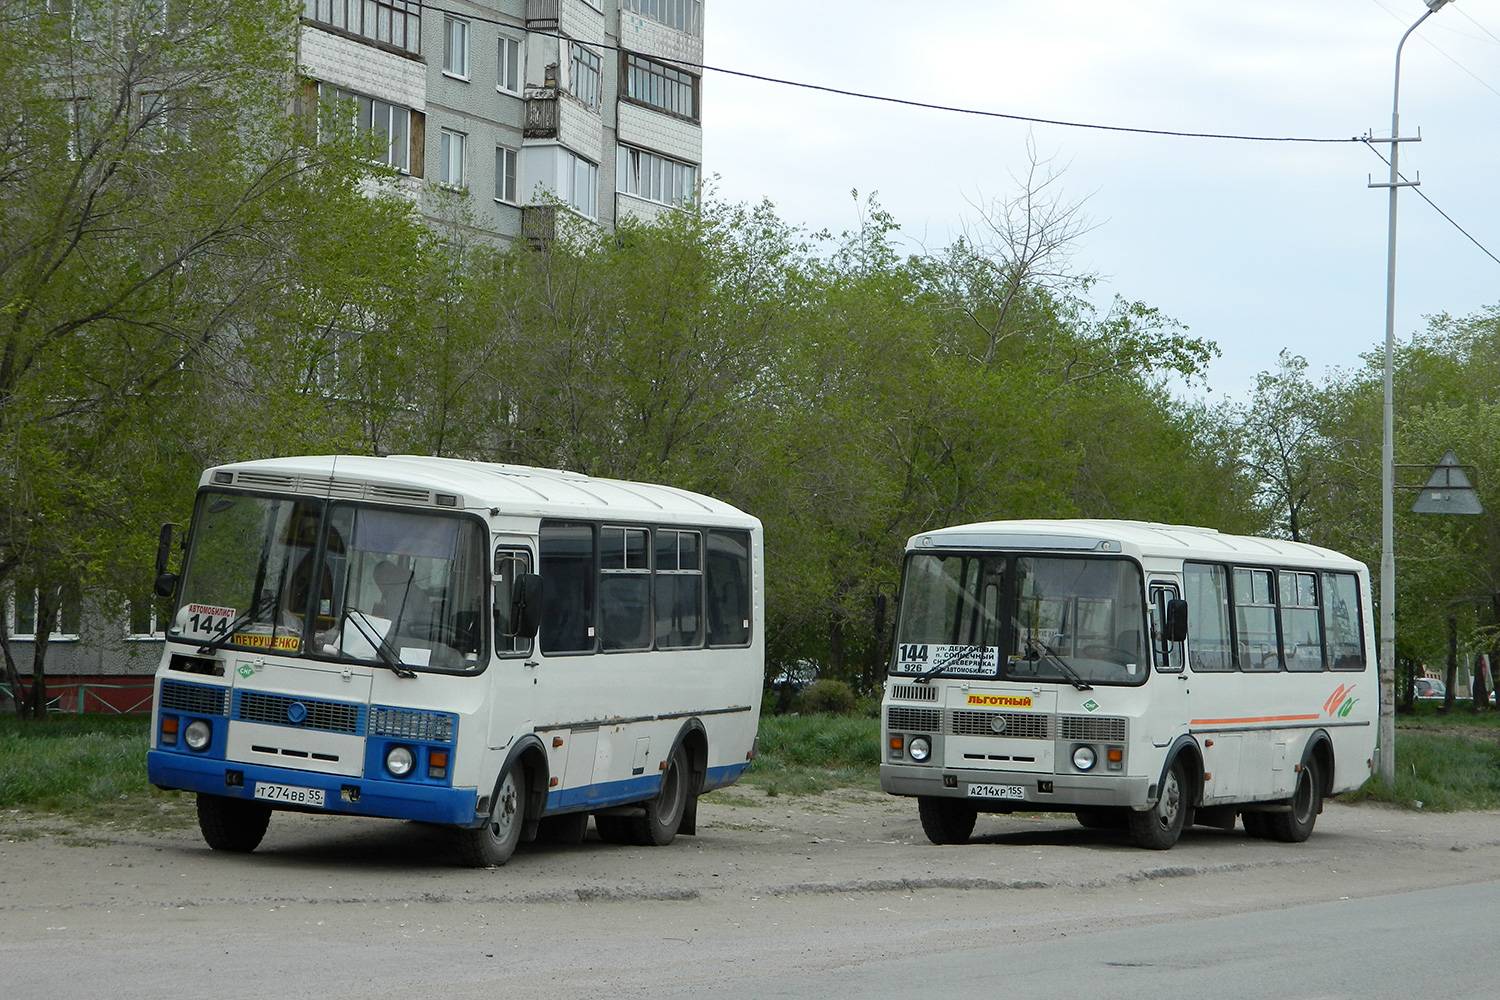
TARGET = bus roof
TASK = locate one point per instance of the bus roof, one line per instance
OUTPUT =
(456, 483)
(1141, 539)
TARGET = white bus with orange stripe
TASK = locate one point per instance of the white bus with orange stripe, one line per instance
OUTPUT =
(1145, 677)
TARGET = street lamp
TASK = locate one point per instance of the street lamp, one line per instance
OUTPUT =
(1386, 762)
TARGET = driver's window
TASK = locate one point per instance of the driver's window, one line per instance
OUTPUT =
(1167, 656)
(509, 565)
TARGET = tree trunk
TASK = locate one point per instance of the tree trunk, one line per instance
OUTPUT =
(1450, 676)
(1481, 685)
(48, 607)
(12, 675)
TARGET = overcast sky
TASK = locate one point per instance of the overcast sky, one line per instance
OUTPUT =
(1258, 246)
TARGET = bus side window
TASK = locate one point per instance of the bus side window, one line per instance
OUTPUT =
(727, 583)
(1206, 588)
(567, 569)
(1342, 622)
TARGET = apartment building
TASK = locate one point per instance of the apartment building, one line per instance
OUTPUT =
(504, 111)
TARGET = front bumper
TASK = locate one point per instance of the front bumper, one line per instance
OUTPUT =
(342, 794)
(1068, 791)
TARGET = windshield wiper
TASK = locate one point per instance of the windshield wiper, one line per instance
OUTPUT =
(1036, 649)
(378, 642)
(949, 660)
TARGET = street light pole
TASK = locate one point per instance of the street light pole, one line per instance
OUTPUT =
(1386, 762)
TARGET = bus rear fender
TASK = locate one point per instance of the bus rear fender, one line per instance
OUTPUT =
(1319, 750)
(693, 738)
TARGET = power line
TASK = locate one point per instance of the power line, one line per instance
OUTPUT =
(905, 102)
(1482, 249)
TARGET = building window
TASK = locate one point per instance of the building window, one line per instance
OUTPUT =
(684, 15)
(508, 76)
(578, 184)
(145, 618)
(585, 75)
(655, 178)
(390, 124)
(505, 175)
(23, 611)
(456, 48)
(397, 23)
(660, 86)
(451, 167)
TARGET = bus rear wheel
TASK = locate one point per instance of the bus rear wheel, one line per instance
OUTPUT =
(663, 814)
(1158, 828)
(1296, 824)
(492, 844)
(946, 821)
(232, 824)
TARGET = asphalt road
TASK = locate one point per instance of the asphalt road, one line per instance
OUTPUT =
(833, 896)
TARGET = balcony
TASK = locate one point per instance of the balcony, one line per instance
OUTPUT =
(541, 113)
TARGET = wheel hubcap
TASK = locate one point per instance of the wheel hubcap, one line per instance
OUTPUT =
(1171, 801)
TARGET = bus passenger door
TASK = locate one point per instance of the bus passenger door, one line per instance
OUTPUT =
(512, 674)
(1170, 708)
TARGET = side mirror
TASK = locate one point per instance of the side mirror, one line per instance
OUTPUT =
(526, 605)
(1177, 620)
(166, 582)
(880, 605)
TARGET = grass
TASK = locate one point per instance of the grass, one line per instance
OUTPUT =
(91, 769)
(811, 754)
(85, 768)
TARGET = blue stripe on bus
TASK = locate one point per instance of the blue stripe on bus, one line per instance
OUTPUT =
(615, 793)
(386, 799)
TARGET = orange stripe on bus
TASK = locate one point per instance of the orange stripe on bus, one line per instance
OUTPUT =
(1264, 718)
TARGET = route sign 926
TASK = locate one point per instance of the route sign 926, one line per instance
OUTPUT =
(955, 660)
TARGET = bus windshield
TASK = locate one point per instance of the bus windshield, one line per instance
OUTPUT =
(334, 580)
(1072, 620)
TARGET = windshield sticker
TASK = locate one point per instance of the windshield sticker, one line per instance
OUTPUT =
(1000, 700)
(205, 621)
(960, 660)
(289, 642)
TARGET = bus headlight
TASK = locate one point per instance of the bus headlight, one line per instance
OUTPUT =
(920, 748)
(198, 734)
(399, 761)
(1084, 758)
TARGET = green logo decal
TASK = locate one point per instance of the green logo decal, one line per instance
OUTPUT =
(246, 670)
(1091, 705)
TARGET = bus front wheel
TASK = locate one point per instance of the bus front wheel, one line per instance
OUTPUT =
(232, 824)
(1159, 827)
(946, 821)
(492, 844)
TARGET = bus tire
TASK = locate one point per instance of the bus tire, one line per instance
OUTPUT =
(663, 815)
(1255, 823)
(1158, 828)
(614, 829)
(232, 824)
(492, 844)
(946, 821)
(1296, 824)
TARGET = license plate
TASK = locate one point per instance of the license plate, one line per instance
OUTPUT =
(290, 794)
(997, 791)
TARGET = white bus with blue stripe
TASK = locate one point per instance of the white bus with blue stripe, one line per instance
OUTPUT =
(503, 650)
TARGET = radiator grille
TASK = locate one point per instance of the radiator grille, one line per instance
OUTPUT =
(914, 692)
(276, 710)
(1090, 728)
(408, 724)
(913, 720)
(1013, 725)
(194, 699)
